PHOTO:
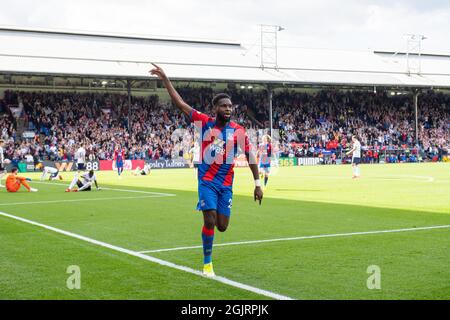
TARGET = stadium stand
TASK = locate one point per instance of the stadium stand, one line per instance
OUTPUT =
(310, 124)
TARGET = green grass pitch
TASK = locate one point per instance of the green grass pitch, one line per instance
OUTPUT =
(298, 202)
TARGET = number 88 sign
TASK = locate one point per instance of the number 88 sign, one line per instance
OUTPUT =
(92, 166)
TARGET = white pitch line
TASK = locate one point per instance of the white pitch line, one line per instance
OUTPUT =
(78, 200)
(139, 191)
(152, 259)
(300, 238)
(114, 189)
(382, 178)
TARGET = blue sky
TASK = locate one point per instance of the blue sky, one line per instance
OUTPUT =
(343, 24)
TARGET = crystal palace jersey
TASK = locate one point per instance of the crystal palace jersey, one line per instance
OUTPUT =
(119, 156)
(219, 147)
(265, 150)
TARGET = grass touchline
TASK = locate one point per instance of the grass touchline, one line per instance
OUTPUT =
(224, 280)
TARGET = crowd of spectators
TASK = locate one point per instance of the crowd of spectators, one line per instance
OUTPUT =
(327, 119)
(307, 124)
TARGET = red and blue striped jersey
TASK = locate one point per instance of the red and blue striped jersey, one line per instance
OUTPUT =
(119, 156)
(219, 148)
(265, 151)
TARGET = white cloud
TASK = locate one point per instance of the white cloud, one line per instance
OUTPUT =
(349, 24)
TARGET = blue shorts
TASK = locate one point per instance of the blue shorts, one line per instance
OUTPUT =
(212, 196)
(119, 164)
(265, 166)
(54, 175)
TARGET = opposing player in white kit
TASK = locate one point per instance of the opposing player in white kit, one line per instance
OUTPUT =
(89, 178)
(356, 156)
(143, 172)
(195, 151)
(80, 155)
(53, 172)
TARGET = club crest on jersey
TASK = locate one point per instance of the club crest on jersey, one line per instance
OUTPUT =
(218, 146)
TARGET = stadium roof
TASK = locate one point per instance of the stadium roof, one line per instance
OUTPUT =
(52, 52)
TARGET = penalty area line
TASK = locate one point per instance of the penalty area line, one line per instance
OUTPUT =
(165, 263)
(77, 200)
(301, 238)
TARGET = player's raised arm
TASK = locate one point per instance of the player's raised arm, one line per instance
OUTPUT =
(176, 98)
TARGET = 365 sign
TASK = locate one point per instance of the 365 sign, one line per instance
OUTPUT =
(287, 162)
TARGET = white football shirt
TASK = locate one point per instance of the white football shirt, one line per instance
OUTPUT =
(50, 170)
(196, 152)
(87, 178)
(81, 155)
(146, 169)
(357, 152)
